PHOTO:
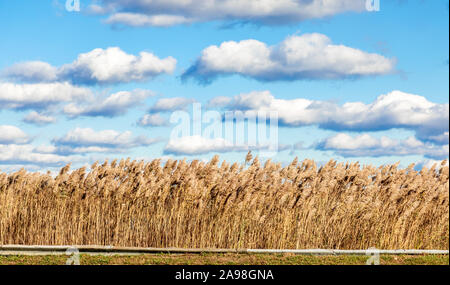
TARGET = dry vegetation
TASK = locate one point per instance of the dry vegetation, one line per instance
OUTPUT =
(217, 205)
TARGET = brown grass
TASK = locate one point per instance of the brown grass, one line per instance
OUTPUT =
(212, 205)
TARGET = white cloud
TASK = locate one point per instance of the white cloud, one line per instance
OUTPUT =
(46, 149)
(95, 9)
(308, 56)
(112, 65)
(142, 20)
(15, 150)
(171, 104)
(84, 140)
(12, 135)
(99, 66)
(114, 105)
(152, 120)
(366, 145)
(191, 145)
(344, 141)
(39, 96)
(393, 110)
(32, 71)
(38, 119)
(220, 101)
(439, 139)
(270, 12)
(29, 155)
(195, 145)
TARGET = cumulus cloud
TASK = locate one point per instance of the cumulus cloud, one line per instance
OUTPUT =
(27, 154)
(114, 105)
(84, 140)
(32, 71)
(15, 149)
(308, 56)
(192, 145)
(196, 145)
(171, 104)
(112, 65)
(43, 98)
(220, 101)
(12, 135)
(39, 96)
(152, 120)
(393, 110)
(268, 12)
(99, 66)
(38, 119)
(366, 145)
(95, 9)
(438, 139)
(142, 20)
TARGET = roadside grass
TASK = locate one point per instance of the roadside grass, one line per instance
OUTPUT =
(226, 259)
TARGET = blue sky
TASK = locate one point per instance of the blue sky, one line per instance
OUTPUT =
(352, 55)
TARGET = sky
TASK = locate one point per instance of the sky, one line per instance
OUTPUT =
(85, 81)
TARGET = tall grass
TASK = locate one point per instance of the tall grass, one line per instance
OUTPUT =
(218, 205)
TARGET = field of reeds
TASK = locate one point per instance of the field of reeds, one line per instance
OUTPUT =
(217, 205)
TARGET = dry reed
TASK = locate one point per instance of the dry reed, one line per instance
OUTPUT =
(212, 205)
